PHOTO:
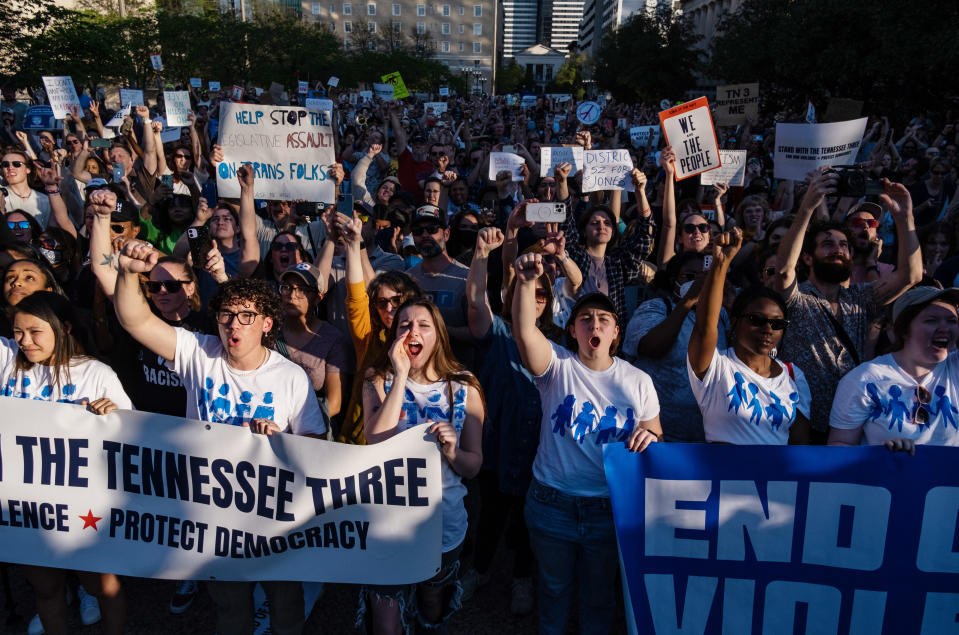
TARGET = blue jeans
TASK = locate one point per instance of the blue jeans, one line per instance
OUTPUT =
(574, 541)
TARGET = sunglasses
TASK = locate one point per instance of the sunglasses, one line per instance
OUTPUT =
(11, 164)
(284, 246)
(74, 142)
(864, 222)
(425, 229)
(182, 156)
(171, 286)
(21, 224)
(541, 296)
(117, 229)
(760, 321)
(692, 228)
(294, 290)
(382, 303)
(923, 398)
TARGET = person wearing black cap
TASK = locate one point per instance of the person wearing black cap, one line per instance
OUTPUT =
(863, 223)
(589, 398)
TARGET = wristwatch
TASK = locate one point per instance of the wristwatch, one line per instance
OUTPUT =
(565, 258)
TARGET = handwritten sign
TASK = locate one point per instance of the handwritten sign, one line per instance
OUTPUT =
(214, 85)
(61, 94)
(801, 148)
(196, 82)
(732, 172)
(177, 104)
(333, 81)
(156, 62)
(689, 130)
(505, 162)
(735, 103)
(399, 87)
(551, 156)
(439, 107)
(383, 92)
(643, 136)
(607, 170)
(117, 120)
(302, 88)
(315, 103)
(131, 96)
(290, 149)
(588, 112)
(444, 91)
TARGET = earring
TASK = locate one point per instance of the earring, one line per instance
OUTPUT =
(772, 353)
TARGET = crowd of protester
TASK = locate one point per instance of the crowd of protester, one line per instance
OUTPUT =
(776, 312)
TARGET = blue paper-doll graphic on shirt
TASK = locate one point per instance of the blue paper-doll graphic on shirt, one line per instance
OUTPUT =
(737, 396)
(563, 415)
(747, 395)
(585, 422)
(897, 411)
(217, 406)
(776, 412)
(944, 408)
(67, 392)
(607, 426)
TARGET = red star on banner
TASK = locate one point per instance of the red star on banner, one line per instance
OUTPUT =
(90, 520)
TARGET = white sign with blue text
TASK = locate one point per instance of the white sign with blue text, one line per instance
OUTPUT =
(607, 170)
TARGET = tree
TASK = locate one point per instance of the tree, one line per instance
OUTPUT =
(889, 53)
(569, 77)
(510, 79)
(649, 57)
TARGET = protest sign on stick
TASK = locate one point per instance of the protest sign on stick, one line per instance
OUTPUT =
(551, 156)
(399, 87)
(61, 94)
(801, 147)
(290, 149)
(689, 130)
(333, 81)
(732, 172)
(735, 103)
(505, 161)
(177, 103)
(607, 170)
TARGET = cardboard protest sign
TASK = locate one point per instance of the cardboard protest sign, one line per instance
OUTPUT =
(643, 136)
(399, 88)
(132, 96)
(333, 81)
(732, 172)
(383, 91)
(689, 130)
(551, 156)
(528, 101)
(839, 109)
(117, 120)
(61, 95)
(156, 62)
(302, 88)
(607, 170)
(237, 93)
(444, 91)
(588, 112)
(214, 85)
(40, 118)
(439, 107)
(177, 103)
(801, 148)
(290, 149)
(196, 82)
(505, 161)
(735, 103)
(314, 103)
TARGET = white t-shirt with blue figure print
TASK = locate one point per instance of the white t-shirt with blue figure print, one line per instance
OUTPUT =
(882, 399)
(743, 408)
(582, 410)
(88, 380)
(279, 390)
(422, 403)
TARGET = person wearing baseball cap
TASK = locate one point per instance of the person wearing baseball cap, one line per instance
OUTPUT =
(863, 225)
(911, 395)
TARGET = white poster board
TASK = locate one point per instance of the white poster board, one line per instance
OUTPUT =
(383, 92)
(61, 95)
(505, 161)
(551, 156)
(801, 147)
(117, 120)
(643, 136)
(316, 103)
(132, 96)
(290, 149)
(156, 62)
(333, 81)
(177, 103)
(439, 107)
(214, 85)
(689, 130)
(607, 170)
(735, 103)
(196, 82)
(732, 172)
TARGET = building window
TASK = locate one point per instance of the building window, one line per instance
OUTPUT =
(445, 47)
(347, 27)
(347, 8)
(477, 11)
(461, 10)
(396, 9)
(372, 27)
(462, 29)
(333, 26)
(420, 28)
(332, 8)
(446, 10)
(397, 27)
(372, 45)
(445, 28)
(477, 29)
(371, 9)
(421, 9)
(460, 48)
(477, 47)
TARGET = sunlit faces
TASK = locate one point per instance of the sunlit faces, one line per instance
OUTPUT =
(431, 193)
(170, 289)
(284, 253)
(279, 210)
(35, 337)
(695, 233)
(863, 227)
(241, 339)
(760, 327)
(831, 260)
(121, 155)
(386, 303)
(599, 228)
(418, 331)
(222, 224)
(19, 225)
(932, 333)
(754, 217)
(14, 167)
(385, 192)
(296, 298)
(595, 331)
(430, 238)
(23, 278)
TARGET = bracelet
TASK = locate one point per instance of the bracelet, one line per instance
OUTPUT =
(52, 192)
(565, 258)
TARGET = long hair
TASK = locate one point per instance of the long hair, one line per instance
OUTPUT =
(442, 361)
(50, 276)
(73, 342)
(193, 301)
(265, 268)
(583, 221)
(398, 281)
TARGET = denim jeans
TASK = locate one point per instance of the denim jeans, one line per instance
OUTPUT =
(575, 546)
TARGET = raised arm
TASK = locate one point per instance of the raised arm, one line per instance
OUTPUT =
(381, 411)
(250, 251)
(131, 307)
(534, 349)
(908, 257)
(149, 142)
(516, 220)
(402, 140)
(719, 190)
(667, 239)
(822, 184)
(102, 255)
(61, 216)
(479, 313)
(702, 341)
(555, 243)
(358, 177)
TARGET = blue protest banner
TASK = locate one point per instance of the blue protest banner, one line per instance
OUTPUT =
(783, 540)
(40, 118)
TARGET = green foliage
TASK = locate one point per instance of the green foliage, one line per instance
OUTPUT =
(885, 52)
(510, 79)
(649, 57)
(569, 77)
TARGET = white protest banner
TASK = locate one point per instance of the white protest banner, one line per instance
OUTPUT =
(196, 82)
(61, 95)
(528, 101)
(551, 156)
(801, 147)
(156, 62)
(607, 170)
(117, 120)
(315, 103)
(588, 112)
(689, 130)
(214, 85)
(383, 91)
(735, 103)
(444, 91)
(333, 81)
(505, 161)
(130, 96)
(290, 149)
(643, 136)
(732, 172)
(439, 107)
(177, 103)
(302, 88)
(149, 495)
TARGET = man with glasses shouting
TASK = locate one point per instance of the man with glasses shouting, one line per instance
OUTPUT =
(233, 378)
(863, 224)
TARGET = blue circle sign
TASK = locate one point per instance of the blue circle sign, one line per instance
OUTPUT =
(588, 112)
